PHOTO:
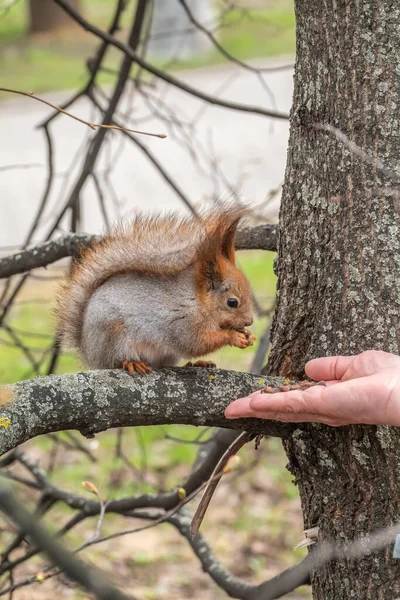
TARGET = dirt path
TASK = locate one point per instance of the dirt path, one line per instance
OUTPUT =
(250, 150)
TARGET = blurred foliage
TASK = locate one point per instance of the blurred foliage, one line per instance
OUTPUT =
(51, 61)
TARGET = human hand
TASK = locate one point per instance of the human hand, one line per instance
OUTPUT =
(360, 389)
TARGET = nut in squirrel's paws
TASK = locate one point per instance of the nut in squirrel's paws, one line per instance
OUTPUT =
(288, 387)
(135, 367)
(204, 364)
(242, 338)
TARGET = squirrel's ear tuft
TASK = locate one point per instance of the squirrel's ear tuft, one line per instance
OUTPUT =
(218, 245)
(209, 275)
(212, 275)
(227, 226)
(228, 241)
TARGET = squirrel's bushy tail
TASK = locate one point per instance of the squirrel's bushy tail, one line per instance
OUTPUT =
(158, 246)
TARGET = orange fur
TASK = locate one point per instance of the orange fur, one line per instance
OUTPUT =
(203, 364)
(216, 256)
(214, 340)
(116, 327)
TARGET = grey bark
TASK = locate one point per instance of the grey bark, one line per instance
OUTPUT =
(261, 237)
(45, 16)
(339, 268)
(94, 401)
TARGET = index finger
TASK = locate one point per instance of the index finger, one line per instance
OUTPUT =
(328, 367)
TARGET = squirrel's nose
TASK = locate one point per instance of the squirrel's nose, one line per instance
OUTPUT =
(249, 322)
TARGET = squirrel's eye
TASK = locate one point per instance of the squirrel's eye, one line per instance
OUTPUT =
(232, 303)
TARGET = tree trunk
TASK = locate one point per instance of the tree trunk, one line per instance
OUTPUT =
(339, 271)
(46, 16)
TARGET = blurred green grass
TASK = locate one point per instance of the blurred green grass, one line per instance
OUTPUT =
(49, 62)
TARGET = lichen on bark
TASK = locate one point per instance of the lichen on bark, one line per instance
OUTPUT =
(339, 269)
(94, 401)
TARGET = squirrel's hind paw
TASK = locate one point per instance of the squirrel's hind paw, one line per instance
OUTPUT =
(135, 367)
(205, 364)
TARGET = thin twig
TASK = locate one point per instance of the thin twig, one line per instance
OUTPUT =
(198, 517)
(93, 126)
(356, 150)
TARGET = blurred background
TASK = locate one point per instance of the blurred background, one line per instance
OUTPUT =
(58, 175)
(210, 151)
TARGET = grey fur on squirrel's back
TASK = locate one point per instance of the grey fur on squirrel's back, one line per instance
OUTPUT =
(149, 245)
(140, 305)
(160, 247)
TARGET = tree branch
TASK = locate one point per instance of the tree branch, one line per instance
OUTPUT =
(164, 174)
(215, 477)
(94, 401)
(271, 589)
(91, 579)
(262, 237)
(93, 126)
(43, 254)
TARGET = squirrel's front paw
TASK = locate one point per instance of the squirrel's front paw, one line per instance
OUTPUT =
(250, 337)
(242, 339)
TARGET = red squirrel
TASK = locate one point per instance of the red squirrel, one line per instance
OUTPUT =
(155, 291)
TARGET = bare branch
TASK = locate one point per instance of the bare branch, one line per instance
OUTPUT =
(263, 345)
(207, 458)
(162, 172)
(208, 33)
(216, 475)
(93, 126)
(21, 166)
(93, 64)
(43, 254)
(88, 577)
(233, 586)
(73, 203)
(162, 74)
(262, 237)
(94, 401)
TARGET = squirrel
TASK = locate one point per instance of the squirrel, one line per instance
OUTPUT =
(155, 291)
